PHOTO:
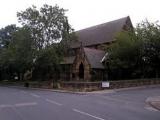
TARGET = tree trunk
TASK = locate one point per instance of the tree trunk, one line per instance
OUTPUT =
(21, 76)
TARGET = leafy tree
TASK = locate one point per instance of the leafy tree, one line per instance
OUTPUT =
(48, 25)
(18, 57)
(6, 35)
(5, 63)
(5, 39)
(51, 33)
(23, 50)
(136, 54)
(125, 56)
(47, 62)
(149, 33)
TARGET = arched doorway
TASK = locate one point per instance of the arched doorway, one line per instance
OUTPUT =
(81, 71)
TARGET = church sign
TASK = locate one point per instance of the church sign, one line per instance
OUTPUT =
(105, 84)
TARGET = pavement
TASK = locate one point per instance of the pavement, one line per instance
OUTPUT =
(31, 104)
(154, 102)
(82, 92)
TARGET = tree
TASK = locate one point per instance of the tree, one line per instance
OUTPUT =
(47, 62)
(125, 57)
(149, 33)
(136, 54)
(5, 39)
(6, 35)
(48, 25)
(51, 33)
(18, 57)
(5, 63)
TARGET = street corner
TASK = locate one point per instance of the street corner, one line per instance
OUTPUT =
(154, 102)
(102, 92)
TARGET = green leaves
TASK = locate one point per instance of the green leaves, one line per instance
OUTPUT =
(150, 35)
(51, 34)
(136, 54)
(6, 35)
(17, 57)
(48, 24)
(125, 50)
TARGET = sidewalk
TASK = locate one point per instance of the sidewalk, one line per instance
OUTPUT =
(154, 102)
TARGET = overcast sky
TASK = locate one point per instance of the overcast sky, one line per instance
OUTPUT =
(85, 13)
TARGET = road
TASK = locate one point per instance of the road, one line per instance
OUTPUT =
(27, 104)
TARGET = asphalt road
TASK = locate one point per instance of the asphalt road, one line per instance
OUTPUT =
(27, 104)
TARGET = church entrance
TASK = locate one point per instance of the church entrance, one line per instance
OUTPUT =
(81, 71)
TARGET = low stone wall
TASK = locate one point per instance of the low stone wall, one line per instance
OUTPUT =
(133, 83)
(85, 86)
(90, 86)
(80, 86)
(44, 84)
(32, 84)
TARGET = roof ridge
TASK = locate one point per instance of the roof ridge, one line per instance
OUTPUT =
(94, 26)
(102, 33)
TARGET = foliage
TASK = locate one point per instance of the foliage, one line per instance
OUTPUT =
(6, 35)
(52, 35)
(45, 36)
(135, 54)
(125, 55)
(149, 33)
(39, 45)
(5, 54)
(18, 57)
(23, 49)
(48, 25)
(47, 62)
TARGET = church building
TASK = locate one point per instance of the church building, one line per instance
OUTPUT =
(85, 60)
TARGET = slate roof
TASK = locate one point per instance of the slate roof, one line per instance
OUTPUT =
(95, 35)
(68, 60)
(99, 34)
(94, 57)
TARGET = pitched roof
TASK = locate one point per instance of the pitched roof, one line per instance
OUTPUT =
(99, 34)
(94, 57)
(68, 60)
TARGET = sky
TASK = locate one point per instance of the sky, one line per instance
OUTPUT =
(86, 13)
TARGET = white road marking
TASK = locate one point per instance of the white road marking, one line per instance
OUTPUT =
(25, 104)
(34, 95)
(5, 106)
(54, 102)
(18, 105)
(87, 114)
